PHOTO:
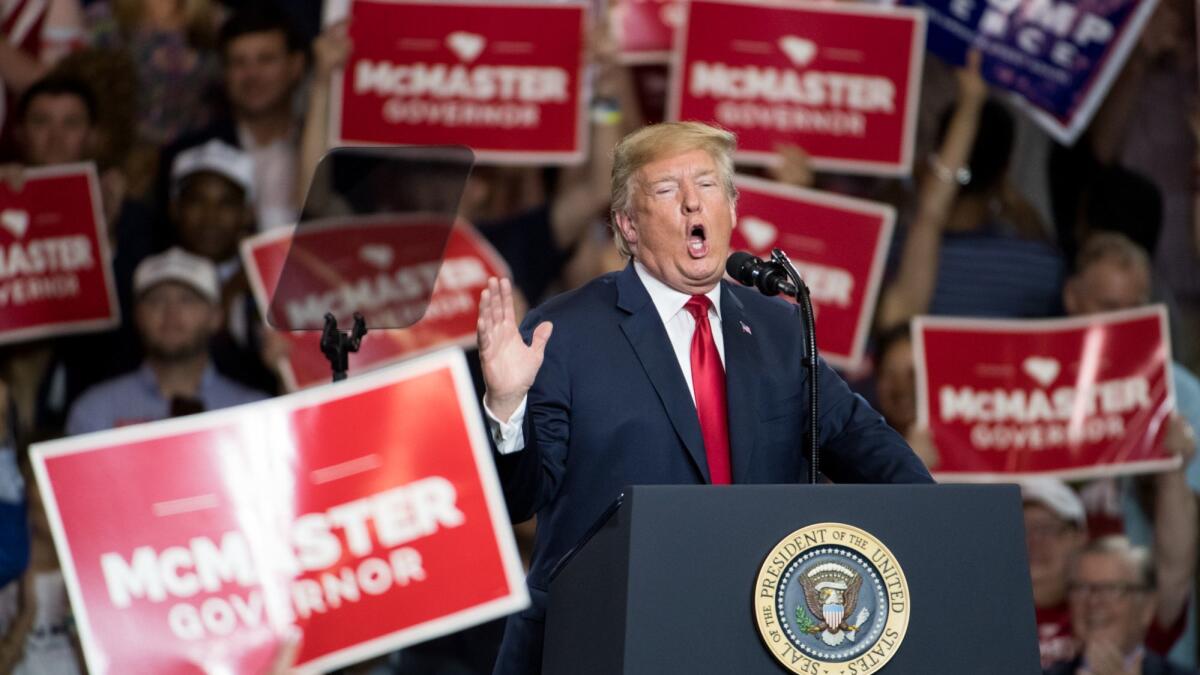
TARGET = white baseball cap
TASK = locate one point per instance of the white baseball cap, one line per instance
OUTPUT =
(179, 266)
(1056, 496)
(215, 156)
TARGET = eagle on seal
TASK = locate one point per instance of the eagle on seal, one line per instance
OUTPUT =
(831, 594)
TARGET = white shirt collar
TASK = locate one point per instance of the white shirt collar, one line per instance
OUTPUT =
(248, 144)
(669, 301)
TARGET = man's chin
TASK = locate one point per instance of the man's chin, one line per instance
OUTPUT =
(256, 107)
(1041, 575)
(703, 278)
(175, 354)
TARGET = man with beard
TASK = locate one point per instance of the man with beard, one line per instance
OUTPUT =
(177, 311)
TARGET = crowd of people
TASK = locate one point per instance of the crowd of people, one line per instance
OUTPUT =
(206, 120)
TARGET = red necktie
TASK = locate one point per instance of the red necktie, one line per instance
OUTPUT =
(708, 380)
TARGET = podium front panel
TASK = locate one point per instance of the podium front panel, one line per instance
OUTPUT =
(685, 561)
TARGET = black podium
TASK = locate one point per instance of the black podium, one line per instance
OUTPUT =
(668, 583)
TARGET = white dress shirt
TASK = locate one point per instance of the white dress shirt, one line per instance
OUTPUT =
(275, 200)
(510, 437)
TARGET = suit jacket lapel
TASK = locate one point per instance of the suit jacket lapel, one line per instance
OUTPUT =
(742, 361)
(646, 334)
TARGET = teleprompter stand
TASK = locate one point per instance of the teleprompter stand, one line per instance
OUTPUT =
(337, 346)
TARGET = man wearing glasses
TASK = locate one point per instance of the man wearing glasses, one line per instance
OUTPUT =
(1056, 535)
(1111, 594)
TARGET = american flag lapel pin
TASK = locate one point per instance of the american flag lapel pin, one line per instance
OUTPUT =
(745, 328)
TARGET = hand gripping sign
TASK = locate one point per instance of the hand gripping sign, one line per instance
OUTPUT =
(366, 513)
(837, 243)
(1059, 57)
(1078, 398)
(465, 265)
(480, 74)
(840, 80)
(55, 276)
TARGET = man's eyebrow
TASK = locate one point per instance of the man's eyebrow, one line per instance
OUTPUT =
(671, 177)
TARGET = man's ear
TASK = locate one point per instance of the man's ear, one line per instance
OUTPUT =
(91, 141)
(248, 221)
(173, 210)
(1150, 610)
(628, 230)
(216, 319)
(1079, 539)
(297, 64)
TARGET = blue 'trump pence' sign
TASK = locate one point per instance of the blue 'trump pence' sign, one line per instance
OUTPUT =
(1058, 56)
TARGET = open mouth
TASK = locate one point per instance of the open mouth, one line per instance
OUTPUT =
(697, 241)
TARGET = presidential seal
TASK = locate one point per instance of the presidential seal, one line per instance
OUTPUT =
(831, 599)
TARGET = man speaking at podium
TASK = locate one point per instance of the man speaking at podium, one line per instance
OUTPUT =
(660, 373)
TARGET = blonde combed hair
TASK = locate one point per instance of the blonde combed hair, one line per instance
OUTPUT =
(1104, 246)
(659, 141)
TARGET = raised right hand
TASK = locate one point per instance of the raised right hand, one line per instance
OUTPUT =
(1180, 439)
(509, 365)
(972, 88)
(794, 167)
(331, 49)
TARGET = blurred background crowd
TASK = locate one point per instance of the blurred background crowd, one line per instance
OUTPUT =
(205, 120)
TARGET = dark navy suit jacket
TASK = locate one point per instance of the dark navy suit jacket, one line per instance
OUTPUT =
(610, 408)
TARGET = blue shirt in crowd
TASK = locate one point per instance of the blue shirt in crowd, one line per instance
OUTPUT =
(14, 525)
(995, 276)
(135, 398)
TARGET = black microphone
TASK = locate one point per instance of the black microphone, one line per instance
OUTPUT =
(768, 277)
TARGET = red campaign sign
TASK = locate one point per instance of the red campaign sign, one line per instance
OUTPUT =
(645, 29)
(480, 74)
(55, 276)
(453, 310)
(840, 80)
(367, 514)
(1077, 398)
(838, 244)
